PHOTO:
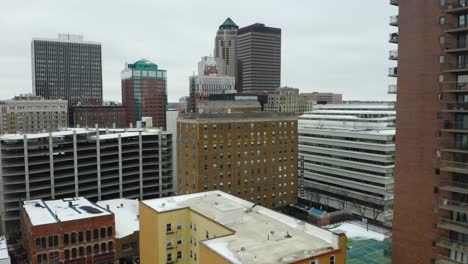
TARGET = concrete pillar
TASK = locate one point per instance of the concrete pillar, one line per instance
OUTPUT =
(51, 166)
(98, 162)
(75, 163)
(140, 153)
(160, 162)
(120, 167)
(26, 166)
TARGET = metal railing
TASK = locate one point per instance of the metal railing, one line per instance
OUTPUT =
(454, 164)
(446, 260)
(445, 203)
(394, 20)
(456, 106)
(450, 243)
(454, 184)
(455, 124)
(454, 4)
(393, 38)
(456, 86)
(457, 66)
(393, 55)
(392, 72)
(447, 223)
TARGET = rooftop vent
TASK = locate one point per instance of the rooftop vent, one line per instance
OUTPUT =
(90, 209)
(39, 205)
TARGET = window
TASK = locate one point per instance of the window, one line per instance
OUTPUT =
(314, 262)
(103, 232)
(96, 234)
(109, 231)
(88, 235)
(110, 246)
(179, 226)
(441, 78)
(168, 228)
(103, 247)
(67, 253)
(74, 253)
(53, 241)
(442, 40)
(441, 59)
(169, 257)
(96, 249)
(195, 227)
(179, 254)
(54, 257)
(41, 243)
(179, 240)
(65, 239)
(169, 243)
(332, 259)
(207, 235)
(81, 251)
(42, 258)
(441, 20)
(89, 251)
(73, 238)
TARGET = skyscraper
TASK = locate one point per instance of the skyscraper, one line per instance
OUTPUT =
(67, 68)
(259, 58)
(144, 92)
(430, 222)
(226, 47)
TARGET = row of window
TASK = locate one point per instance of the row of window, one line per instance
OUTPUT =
(73, 253)
(74, 237)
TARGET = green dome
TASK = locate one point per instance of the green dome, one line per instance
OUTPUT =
(143, 64)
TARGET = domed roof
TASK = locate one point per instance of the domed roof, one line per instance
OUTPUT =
(144, 64)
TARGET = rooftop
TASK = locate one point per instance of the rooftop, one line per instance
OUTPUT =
(125, 213)
(258, 230)
(55, 211)
(228, 24)
(143, 64)
(233, 116)
(68, 38)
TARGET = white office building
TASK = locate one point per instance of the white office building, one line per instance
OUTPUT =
(348, 153)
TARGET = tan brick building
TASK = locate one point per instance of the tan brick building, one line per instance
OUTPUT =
(250, 155)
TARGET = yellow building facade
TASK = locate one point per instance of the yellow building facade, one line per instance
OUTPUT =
(215, 227)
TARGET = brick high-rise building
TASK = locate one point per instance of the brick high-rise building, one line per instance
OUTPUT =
(258, 58)
(67, 68)
(144, 92)
(431, 170)
(104, 116)
(250, 155)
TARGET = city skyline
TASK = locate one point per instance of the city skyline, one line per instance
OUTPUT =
(310, 39)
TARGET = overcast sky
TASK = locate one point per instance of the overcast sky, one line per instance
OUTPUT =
(328, 46)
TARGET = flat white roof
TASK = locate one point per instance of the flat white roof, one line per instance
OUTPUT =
(125, 213)
(261, 235)
(54, 211)
(387, 132)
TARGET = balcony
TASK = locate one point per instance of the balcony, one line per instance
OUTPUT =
(445, 260)
(455, 126)
(393, 38)
(452, 244)
(455, 107)
(454, 47)
(453, 186)
(453, 225)
(456, 28)
(457, 6)
(394, 2)
(457, 68)
(458, 147)
(393, 55)
(452, 166)
(451, 205)
(392, 89)
(455, 87)
(394, 21)
(393, 72)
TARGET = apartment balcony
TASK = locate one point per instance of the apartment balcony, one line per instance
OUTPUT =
(457, 148)
(393, 72)
(452, 244)
(452, 166)
(453, 225)
(455, 87)
(393, 55)
(455, 107)
(455, 126)
(457, 6)
(392, 89)
(457, 68)
(451, 205)
(456, 28)
(445, 260)
(454, 47)
(393, 38)
(394, 21)
(453, 186)
(394, 2)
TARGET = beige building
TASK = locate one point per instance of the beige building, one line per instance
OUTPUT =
(250, 155)
(287, 99)
(218, 228)
(32, 114)
(225, 106)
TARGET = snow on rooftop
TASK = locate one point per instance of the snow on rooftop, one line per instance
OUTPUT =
(38, 213)
(4, 250)
(125, 213)
(48, 212)
(258, 230)
(357, 231)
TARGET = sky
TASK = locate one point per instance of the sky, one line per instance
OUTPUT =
(335, 46)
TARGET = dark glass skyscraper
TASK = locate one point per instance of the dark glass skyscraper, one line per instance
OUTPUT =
(258, 58)
(67, 68)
